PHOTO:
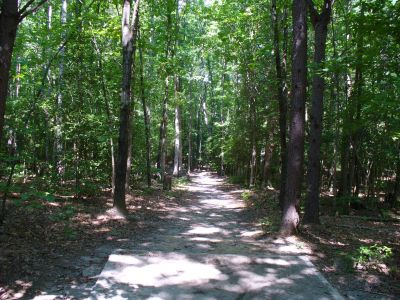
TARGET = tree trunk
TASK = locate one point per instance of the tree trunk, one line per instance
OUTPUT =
(178, 144)
(108, 113)
(58, 143)
(129, 34)
(164, 118)
(269, 150)
(129, 153)
(351, 136)
(9, 20)
(396, 192)
(198, 136)
(190, 150)
(295, 149)
(163, 129)
(282, 100)
(253, 157)
(320, 23)
(146, 118)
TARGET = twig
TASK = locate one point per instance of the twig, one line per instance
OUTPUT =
(26, 12)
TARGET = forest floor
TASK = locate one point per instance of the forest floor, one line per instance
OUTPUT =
(60, 247)
(54, 245)
(349, 250)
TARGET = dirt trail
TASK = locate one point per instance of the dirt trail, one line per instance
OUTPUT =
(207, 249)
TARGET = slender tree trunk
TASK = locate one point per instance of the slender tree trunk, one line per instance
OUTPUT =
(396, 192)
(320, 23)
(163, 129)
(164, 118)
(269, 150)
(146, 118)
(336, 108)
(129, 153)
(253, 157)
(58, 143)
(295, 149)
(108, 113)
(282, 100)
(198, 136)
(190, 150)
(350, 136)
(178, 144)
(129, 34)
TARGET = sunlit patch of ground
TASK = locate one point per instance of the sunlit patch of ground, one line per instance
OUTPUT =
(41, 245)
(334, 243)
(210, 249)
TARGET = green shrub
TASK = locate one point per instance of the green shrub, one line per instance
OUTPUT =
(343, 205)
(66, 213)
(375, 253)
(246, 196)
(70, 233)
(237, 179)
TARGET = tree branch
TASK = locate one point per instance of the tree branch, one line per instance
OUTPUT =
(26, 12)
(25, 7)
(313, 10)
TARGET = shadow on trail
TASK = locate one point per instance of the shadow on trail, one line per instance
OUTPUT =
(206, 249)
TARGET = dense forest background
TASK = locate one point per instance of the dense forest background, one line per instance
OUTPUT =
(211, 85)
(298, 97)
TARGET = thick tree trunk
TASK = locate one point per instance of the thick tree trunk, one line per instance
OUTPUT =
(320, 23)
(295, 149)
(129, 34)
(9, 20)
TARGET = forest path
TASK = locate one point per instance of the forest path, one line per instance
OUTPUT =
(206, 249)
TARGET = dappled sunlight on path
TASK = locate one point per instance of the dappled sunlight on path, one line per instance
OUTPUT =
(207, 248)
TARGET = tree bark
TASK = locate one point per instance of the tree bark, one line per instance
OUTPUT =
(269, 150)
(282, 100)
(9, 20)
(58, 143)
(129, 34)
(320, 23)
(108, 113)
(10, 17)
(178, 144)
(190, 150)
(253, 156)
(146, 117)
(164, 118)
(163, 129)
(396, 192)
(295, 149)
